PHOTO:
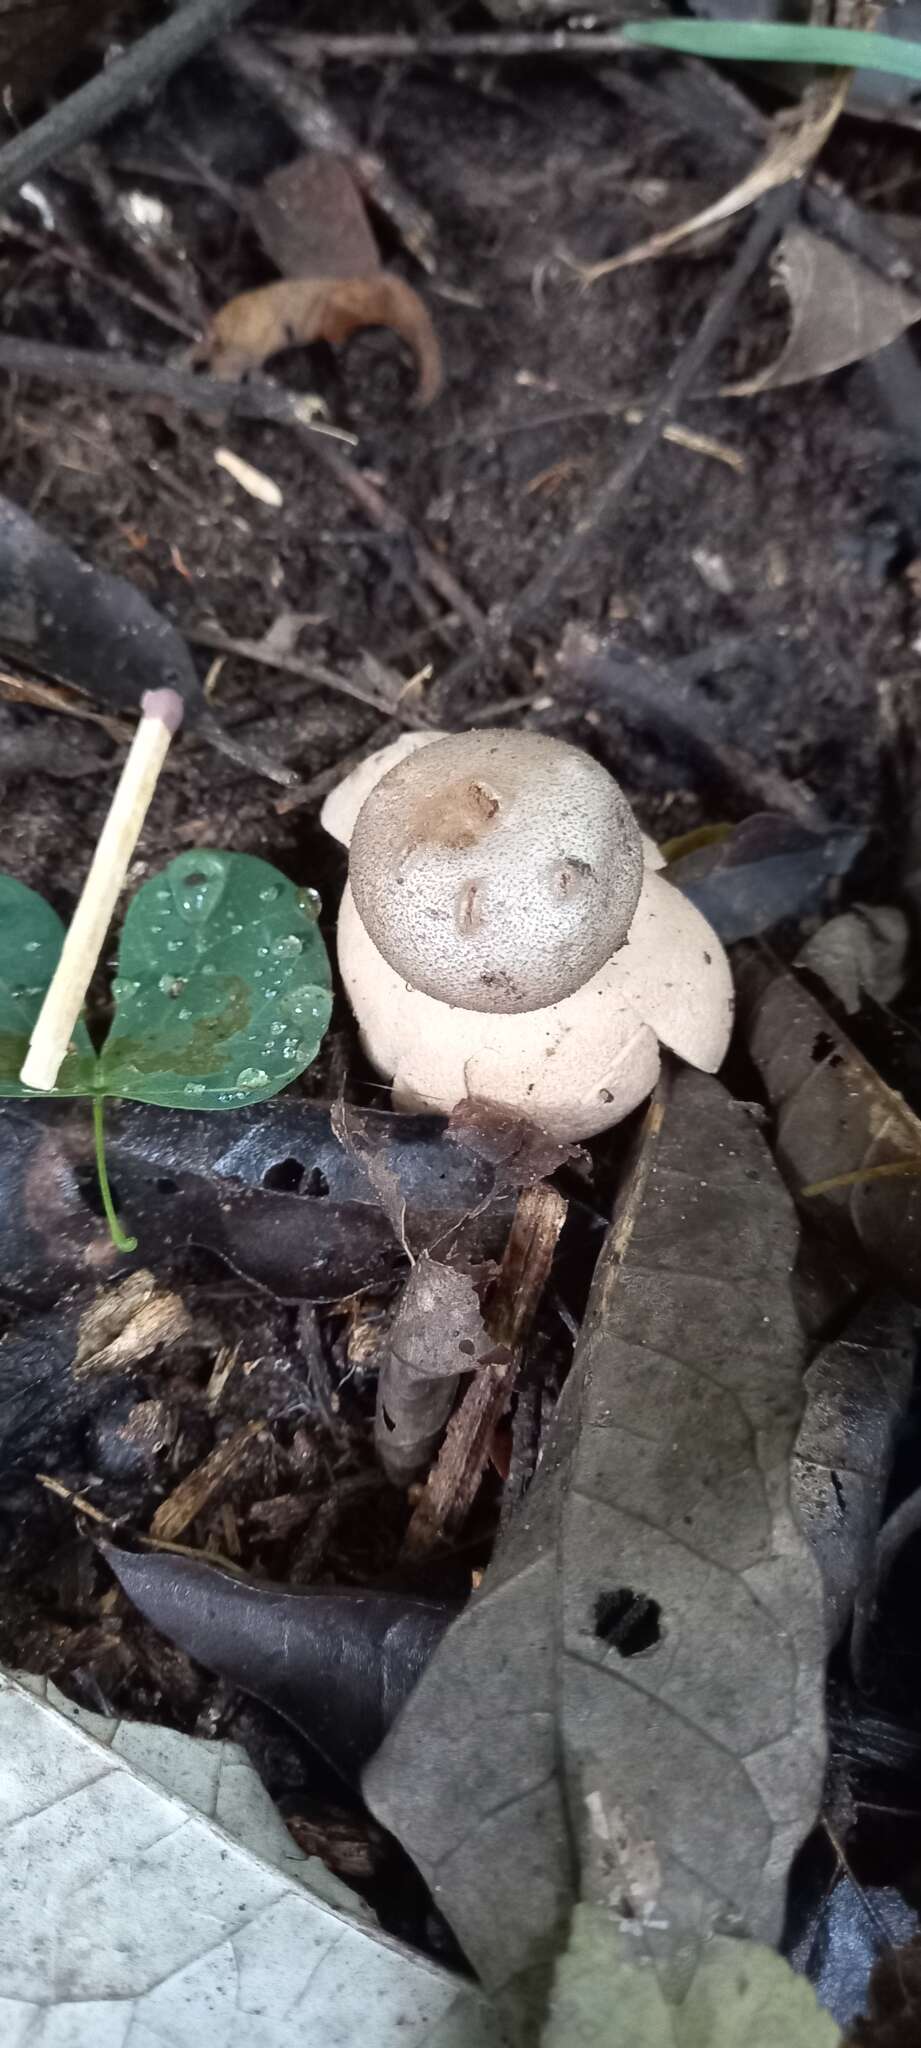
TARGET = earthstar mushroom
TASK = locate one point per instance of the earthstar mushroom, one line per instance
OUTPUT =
(504, 932)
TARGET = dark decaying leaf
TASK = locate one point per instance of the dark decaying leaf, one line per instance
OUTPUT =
(631, 1705)
(270, 1190)
(767, 869)
(834, 1116)
(857, 1392)
(862, 952)
(80, 625)
(38, 37)
(338, 1665)
(311, 220)
(296, 311)
(437, 1335)
(841, 311)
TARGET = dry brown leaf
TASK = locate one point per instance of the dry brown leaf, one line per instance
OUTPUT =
(795, 141)
(310, 218)
(841, 312)
(297, 311)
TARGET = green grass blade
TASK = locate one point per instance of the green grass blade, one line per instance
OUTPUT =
(770, 42)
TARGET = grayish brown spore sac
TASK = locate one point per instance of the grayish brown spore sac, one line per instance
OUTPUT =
(496, 871)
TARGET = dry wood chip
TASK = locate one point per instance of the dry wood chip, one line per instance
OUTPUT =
(128, 1322)
(194, 1492)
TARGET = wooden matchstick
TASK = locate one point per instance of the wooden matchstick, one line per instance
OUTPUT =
(161, 717)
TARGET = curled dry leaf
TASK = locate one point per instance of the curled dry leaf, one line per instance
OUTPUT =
(795, 141)
(840, 1131)
(437, 1335)
(630, 1706)
(841, 311)
(296, 311)
(338, 1664)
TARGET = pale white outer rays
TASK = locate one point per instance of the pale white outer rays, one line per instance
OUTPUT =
(574, 1066)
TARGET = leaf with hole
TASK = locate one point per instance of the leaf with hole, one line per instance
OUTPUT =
(223, 986)
(630, 1708)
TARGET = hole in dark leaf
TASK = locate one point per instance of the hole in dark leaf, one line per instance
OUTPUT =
(388, 1420)
(467, 1346)
(166, 1185)
(822, 1045)
(195, 878)
(316, 1184)
(627, 1620)
(285, 1177)
(89, 1193)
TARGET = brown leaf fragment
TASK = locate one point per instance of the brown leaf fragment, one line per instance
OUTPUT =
(297, 311)
(519, 1151)
(840, 310)
(834, 1117)
(198, 1488)
(310, 218)
(438, 1334)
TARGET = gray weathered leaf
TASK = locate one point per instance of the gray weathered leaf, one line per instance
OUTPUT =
(862, 952)
(840, 310)
(857, 1391)
(630, 1707)
(842, 1135)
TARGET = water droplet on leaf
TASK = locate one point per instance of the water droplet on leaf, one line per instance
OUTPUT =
(194, 1088)
(252, 1077)
(287, 947)
(271, 894)
(197, 885)
(301, 1005)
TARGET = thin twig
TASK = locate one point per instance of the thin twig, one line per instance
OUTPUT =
(524, 609)
(310, 672)
(317, 126)
(146, 66)
(257, 399)
(555, 42)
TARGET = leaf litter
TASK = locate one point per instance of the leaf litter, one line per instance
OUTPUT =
(642, 1666)
(309, 1203)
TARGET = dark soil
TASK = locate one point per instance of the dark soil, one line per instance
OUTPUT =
(804, 547)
